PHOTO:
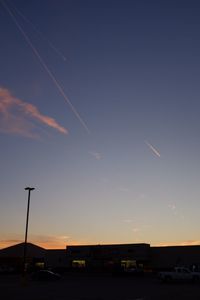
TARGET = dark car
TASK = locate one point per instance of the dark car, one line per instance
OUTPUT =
(134, 271)
(45, 275)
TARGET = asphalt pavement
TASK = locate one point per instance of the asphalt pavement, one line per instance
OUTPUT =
(96, 287)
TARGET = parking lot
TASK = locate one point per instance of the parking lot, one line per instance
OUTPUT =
(96, 287)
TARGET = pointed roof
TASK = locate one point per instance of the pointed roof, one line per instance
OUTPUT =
(18, 251)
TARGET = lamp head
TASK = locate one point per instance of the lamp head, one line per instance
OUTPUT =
(29, 189)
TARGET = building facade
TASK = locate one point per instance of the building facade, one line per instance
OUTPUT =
(11, 258)
(106, 257)
(101, 257)
(165, 258)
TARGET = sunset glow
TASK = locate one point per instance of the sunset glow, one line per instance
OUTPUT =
(99, 112)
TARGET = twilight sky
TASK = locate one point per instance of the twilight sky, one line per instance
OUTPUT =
(99, 111)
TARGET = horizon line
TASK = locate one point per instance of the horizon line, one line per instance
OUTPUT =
(51, 247)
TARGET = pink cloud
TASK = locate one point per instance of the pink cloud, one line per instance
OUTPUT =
(18, 116)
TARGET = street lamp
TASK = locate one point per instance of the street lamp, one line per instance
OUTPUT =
(29, 189)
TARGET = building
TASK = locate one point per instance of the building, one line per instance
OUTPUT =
(11, 258)
(163, 258)
(101, 257)
(106, 257)
(56, 259)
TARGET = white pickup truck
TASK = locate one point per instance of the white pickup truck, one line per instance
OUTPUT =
(179, 274)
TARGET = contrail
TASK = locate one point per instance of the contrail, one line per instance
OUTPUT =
(52, 46)
(153, 149)
(51, 75)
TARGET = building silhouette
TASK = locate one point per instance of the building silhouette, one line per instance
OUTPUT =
(106, 258)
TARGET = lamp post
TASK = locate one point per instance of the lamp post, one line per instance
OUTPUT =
(29, 189)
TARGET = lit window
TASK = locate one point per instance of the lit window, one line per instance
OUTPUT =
(78, 263)
(39, 265)
(127, 264)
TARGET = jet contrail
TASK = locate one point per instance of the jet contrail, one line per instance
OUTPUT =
(52, 46)
(51, 75)
(153, 149)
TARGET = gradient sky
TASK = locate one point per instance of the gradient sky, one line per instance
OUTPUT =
(100, 112)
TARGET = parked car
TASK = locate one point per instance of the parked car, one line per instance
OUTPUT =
(134, 271)
(6, 270)
(179, 274)
(45, 275)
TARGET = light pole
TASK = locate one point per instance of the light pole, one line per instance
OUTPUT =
(29, 189)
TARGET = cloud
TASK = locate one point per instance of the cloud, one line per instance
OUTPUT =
(175, 211)
(60, 242)
(47, 242)
(190, 243)
(154, 150)
(135, 229)
(183, 243)
(124, 189)
(131, 222)
(50, 241)
(172, 206)
(10, 242)
(18, 117)
(128, 220)
(96, 155)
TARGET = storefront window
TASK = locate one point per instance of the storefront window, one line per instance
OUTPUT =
(39, 265)
(78, 263)
(128, 264)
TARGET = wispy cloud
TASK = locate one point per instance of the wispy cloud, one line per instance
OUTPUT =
(153, 149)
(136, 229)
(183, 243)
(124, 189)
(176, 211)
(45, 241)
(9, 242)
(50, 241)
(18, 116)
(45, 66)
(172, 206)
(96, 155)
(128, 221)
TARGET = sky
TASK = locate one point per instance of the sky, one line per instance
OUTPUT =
(99, 112)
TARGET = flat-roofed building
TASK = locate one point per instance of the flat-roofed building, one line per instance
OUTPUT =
(101, 257)
(108, 256)
(167, 257)
(56, 259)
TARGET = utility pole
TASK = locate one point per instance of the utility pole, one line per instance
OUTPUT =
(29, 189)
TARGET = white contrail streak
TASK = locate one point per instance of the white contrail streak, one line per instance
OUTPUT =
(52, 46)
(51, 75)
(156, 152)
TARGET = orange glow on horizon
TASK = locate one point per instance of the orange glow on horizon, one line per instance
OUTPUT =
(49, 242)
(184, 243)
(59, 244)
